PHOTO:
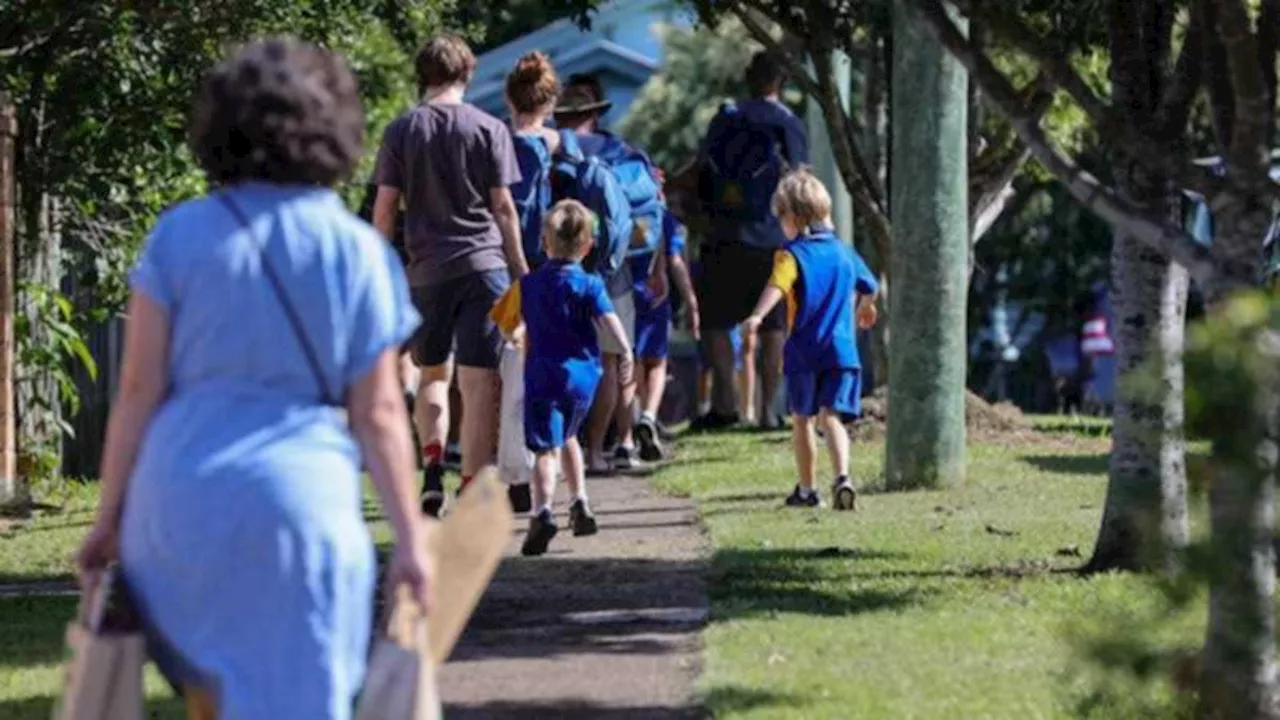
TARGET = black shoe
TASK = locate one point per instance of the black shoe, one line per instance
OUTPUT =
(844, 496)
(798, 498)
(433, 490)
(649, 439)
(542, 528)
(712, 422)
(625, 458)
(520, 497)
(581, 519)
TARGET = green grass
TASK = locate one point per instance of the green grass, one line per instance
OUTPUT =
(951, 604)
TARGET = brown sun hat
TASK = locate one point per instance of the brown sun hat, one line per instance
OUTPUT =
(577, 100)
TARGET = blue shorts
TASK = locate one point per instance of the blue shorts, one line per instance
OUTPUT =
(735, 337)
(839, 391)
(557, 400)
(653, 330)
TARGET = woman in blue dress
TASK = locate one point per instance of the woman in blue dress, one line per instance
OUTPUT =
(260, 371)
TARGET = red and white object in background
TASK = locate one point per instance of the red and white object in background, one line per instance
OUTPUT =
(1095, 338)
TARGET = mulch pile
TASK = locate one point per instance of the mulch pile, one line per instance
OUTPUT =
(1001, 422)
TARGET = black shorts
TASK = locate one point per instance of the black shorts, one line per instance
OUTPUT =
(455, 319)
(733, 276)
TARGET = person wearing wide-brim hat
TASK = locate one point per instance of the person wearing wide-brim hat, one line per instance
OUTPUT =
(580, 100)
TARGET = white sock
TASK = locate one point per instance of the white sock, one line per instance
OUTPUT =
(648, 417)
(582, 497)
(806, 492)
(545, 508)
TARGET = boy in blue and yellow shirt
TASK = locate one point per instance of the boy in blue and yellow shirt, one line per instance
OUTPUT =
(554, 313)
(821, 277)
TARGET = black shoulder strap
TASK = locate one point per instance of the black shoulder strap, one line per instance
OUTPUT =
(290, 312)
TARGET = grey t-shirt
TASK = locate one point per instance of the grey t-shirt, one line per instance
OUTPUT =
(446, 159)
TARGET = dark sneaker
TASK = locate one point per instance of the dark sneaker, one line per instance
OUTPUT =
(581, 519)
(521, 498)
(542, 528)
(798, 498)
(625, 458)
(713, 421)
(649, 439)
(433, 490)
(843, 495)
(453, 456)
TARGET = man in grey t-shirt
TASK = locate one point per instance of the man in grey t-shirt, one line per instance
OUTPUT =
(452, 165)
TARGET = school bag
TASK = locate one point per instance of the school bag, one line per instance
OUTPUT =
(532, 194)
(635, 175)
(589, 180)
(745, 160)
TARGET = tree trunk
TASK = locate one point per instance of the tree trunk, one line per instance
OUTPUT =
(875, 139)
(1239, 673)
(1144, 522)
(929, 265)
(38, 397)
(13, 491)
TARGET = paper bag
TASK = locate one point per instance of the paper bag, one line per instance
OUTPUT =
(401, 680)
(466, 549)
(103, 676)
(515, 462)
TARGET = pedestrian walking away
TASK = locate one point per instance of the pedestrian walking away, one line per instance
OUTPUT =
(452, 166)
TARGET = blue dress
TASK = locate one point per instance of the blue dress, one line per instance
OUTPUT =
(243, 536)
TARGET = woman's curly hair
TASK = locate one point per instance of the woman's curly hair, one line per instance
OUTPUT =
(281, 111)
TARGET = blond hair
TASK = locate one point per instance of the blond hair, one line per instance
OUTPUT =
(803, 198)
(567, 230)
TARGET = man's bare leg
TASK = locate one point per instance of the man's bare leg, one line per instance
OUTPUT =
(771, 344)
(601, 415)
(481, 394)
(431, 416)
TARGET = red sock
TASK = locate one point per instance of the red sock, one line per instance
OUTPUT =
(466, 480)
(433, 453)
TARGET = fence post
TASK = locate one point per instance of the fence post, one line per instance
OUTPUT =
(13, 491)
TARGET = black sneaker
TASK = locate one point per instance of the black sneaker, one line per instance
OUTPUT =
(433, 490)
(665, 434)
(581, 519)
(713, 421)
(843, 495)
(542, 528)
(521, 498)
(798, 498)
(625, 458)
(649, 439)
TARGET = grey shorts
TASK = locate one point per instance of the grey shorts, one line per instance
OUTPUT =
(625, 306)
(455, 320)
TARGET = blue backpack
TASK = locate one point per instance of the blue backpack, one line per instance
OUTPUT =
(590, 181)
(635, 175)
(745, 160)
(532, 194)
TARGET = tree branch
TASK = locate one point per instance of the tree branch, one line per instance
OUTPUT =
(1248, 153)
(1268, 49)
(1151, 152)
(1188, 77)
(993, 172)
(1120, 213)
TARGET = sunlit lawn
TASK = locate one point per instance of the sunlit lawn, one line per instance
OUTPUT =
(951, 604)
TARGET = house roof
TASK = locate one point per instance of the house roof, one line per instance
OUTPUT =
(593, 56)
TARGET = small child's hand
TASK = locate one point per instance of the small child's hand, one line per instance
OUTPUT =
(518, 336)
(751, 325)
(867, 314)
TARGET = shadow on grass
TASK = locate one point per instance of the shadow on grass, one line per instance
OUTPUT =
(750, 583)
(41, 708)
(734, 699)
(576, 710)
(1069, 464)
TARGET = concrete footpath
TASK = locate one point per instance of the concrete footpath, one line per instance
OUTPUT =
(600, 627)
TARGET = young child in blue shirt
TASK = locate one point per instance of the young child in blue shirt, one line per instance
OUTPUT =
(820, 277)
(554, 313)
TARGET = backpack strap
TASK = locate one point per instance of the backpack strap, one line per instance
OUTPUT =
(570, 148)
(290, 312)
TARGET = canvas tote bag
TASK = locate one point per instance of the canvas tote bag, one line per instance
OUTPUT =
(401, 681)
(103, 676)
(515, 462)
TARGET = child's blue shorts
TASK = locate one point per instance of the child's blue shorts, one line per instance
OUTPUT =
(557, 400)
(653, 331)
(735, 337)
(837, 390)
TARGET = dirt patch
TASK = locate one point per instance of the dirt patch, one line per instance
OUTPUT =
(1001, 423)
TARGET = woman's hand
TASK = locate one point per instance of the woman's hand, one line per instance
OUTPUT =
(411, 567)
(100, 548)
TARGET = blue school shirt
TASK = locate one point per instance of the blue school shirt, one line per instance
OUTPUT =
(560, 303)
(673, 242)
(823, 334)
